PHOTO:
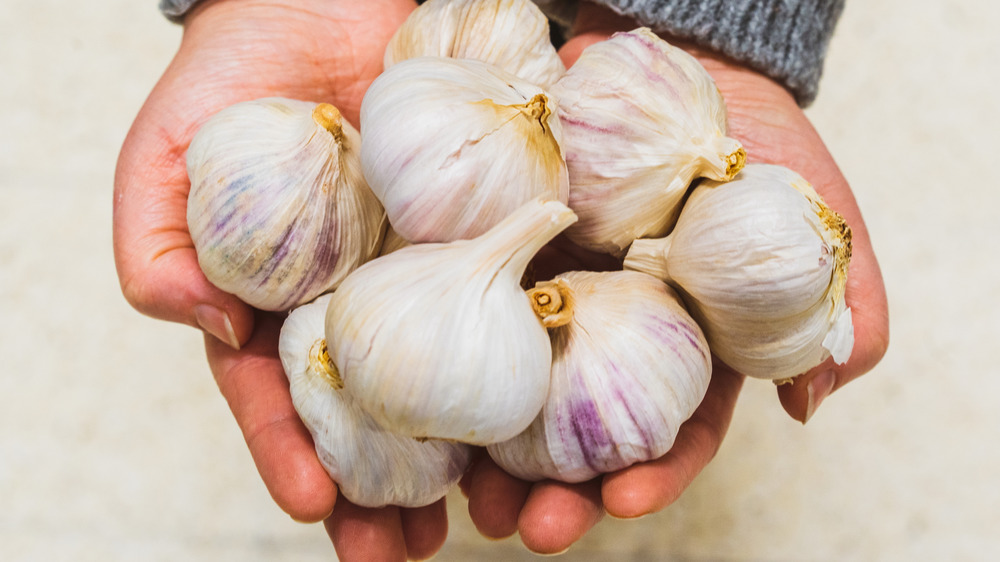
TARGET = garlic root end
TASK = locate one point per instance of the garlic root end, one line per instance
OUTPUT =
(552, 302)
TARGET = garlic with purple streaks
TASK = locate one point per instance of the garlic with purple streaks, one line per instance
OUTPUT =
(372, 467)
(438, 340)
(452, 146)
(278, 209)
(761, 262)
(511, 34)
(641, 120)
(629, 365)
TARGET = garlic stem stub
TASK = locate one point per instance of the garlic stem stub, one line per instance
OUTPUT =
(279, 211)
(438, 340)
(762, 263)
(511, 34)
(628, 368)
(371, 466)
(451, 147)
(641, 120)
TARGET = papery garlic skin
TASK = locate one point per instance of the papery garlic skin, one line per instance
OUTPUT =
(439, 340)
(511, 34)
(392, 241)
(279, 211)
(628, 369)
(762, 264)
(641, 120)
(371, 466)
(451, 147)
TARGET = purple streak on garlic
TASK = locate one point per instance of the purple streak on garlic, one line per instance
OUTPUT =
(372, 466)
(762, 264)
(278, 209)
(641, 120)
(629, 365)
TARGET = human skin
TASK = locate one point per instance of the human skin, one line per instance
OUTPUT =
(331, 50)
(551, 516)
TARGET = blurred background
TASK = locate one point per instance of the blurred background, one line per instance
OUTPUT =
(115, 443)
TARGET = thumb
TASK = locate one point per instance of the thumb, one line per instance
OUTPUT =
(154, 255)
(869, 310)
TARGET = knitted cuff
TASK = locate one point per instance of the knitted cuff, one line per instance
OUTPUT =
(174, 10)
(784, 39)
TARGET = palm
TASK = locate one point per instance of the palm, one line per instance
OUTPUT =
(550, 516)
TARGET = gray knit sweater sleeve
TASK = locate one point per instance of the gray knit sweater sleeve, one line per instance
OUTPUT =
(174, 10)
(785, 39)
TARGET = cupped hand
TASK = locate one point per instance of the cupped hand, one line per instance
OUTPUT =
(551, 516)
(232, 51)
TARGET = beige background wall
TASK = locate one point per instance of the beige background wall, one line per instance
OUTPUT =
(115, 445)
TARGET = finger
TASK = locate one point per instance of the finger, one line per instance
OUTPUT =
(870, 315)
(156, 261)
(557, 514)
(364, 533)
(424, 529)
(648, 487)
(495, 499)
(254, 384)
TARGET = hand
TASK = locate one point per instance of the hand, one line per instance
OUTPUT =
(317, 50)
(551, 516)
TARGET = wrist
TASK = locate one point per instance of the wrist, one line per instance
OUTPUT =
(783, 39)
(594, 23)
(182, 11)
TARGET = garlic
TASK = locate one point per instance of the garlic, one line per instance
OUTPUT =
(641, 120)
(629, 365)
(762, 263)
(392, 241)
(452, 146)
(512, 34)
(439, 340)
(372, 467)
(278, 209)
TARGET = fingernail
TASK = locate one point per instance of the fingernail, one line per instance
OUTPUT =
(216, 322)
(819, 388)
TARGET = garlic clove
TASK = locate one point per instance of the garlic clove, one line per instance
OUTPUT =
(372, 467)
(762, 263)
(511, 34)
(451, 147)
(440, 341)
(629, 366)
(392, 241)
(641, 120)
(279, 211)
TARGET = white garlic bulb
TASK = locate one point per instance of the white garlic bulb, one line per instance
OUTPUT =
(512, 34)
(372, 467)
(279, 211)
(762, 263)
(641, 120)
(392, 241)
(629, 365)
(439, 340)
(452, 146)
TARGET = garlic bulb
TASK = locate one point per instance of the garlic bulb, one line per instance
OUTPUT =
(392, 241)
(629, 365)
(511, 34)
(439, 340)
(641, 120)
(452, 146)
(762, 262)
(278, 209)
(372, 467)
